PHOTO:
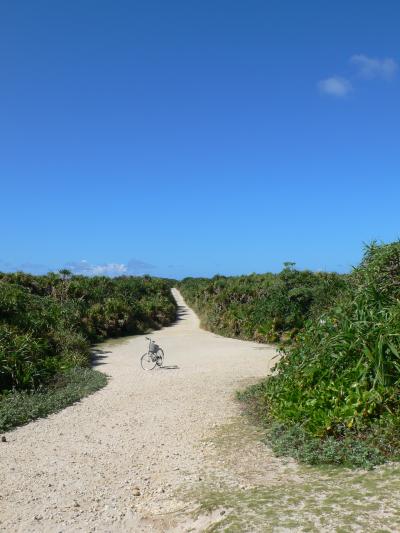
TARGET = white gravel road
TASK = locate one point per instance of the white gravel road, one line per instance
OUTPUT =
(115, 461)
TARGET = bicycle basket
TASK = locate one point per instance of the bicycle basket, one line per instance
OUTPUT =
(154, 347)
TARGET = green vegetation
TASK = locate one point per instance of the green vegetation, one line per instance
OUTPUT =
(341, 379)
(261, 307)
(318, 501)
(47, 324)
(351, 449)
(20, 407)
(279, 495)
(334, 396)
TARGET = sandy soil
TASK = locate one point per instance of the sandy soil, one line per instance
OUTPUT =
(134, 456)
(168, 451)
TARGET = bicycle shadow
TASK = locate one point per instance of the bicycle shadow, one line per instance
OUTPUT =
(169, 367)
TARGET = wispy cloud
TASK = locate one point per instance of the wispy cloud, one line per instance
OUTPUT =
(5, 266)
(134, 266)
(31, 268)
(366, 67)
(335, 86)
(105, 269)
(369, 67)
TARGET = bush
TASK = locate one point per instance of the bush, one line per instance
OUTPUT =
(343, 371)
(262, 307)
(48, 322)
(340, 381)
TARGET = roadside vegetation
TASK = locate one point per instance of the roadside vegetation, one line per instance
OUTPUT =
(262, 307)
(47, 324)
(334, 396)
(20, 407)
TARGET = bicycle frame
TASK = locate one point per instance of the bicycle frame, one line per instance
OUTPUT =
(155, 354)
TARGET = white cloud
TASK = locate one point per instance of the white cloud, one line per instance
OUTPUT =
(370, 68)
(133, 267)
(106, 269)
(335, 86)
(110, 269)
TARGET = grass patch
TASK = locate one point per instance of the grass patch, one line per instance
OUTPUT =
(262, 494)
(314, 508)
(20, 407)
(293, 441)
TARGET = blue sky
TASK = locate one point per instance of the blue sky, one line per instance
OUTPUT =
(197, 137)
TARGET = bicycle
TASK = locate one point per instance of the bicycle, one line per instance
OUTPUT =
(154, 356)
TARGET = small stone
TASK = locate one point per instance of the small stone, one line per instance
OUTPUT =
(76, 504)
(222, 512)
(136, 491)
(3, 438)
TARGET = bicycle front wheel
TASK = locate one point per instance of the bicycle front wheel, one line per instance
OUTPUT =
(159, 357)
(147, 361)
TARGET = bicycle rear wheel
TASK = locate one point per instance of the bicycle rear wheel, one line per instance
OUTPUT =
(147, 361)
(159, 357)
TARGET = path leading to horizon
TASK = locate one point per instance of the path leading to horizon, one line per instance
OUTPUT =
(168, 451)
(80, 469)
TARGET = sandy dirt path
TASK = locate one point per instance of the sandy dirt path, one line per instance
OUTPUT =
(149, 432)
(168, 451)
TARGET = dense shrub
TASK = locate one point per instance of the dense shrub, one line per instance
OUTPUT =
(261, 307)
(48, 322)
(341, 379)
(344, 369)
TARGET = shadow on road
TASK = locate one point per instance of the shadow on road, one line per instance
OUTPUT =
(97, 356)
(169, 367)
(181, 312)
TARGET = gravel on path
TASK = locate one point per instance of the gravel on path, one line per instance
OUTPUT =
(115, 461)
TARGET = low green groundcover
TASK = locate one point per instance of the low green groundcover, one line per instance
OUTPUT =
(354, 449)
(20, 407)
